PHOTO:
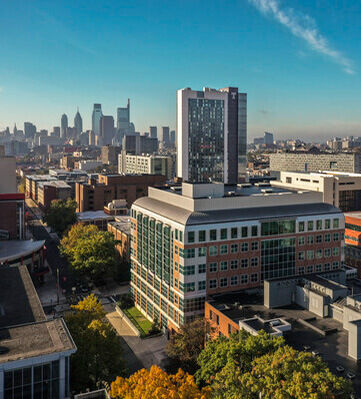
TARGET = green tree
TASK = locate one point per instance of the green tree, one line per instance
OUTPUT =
(235, 353)
(185, 345)
(61, 215)
(288, 373)
(99, 356)
(90, 251)
(21, 186)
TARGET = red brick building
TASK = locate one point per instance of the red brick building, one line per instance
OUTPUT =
(12, 224)
(353, 240)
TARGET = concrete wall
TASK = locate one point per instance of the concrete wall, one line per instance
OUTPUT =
(7, 175)
(354, 340)
(279, 293)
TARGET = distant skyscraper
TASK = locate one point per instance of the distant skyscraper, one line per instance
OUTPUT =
(172, 138)
(107, 129)
(97, 114)
(64, 126)
(268, 138)
(165, 136)
(211, 135)
(29, 130)
(56, 131)
(153, 131)
(78, 123)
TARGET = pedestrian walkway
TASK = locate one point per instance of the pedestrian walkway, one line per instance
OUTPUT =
(149, 351)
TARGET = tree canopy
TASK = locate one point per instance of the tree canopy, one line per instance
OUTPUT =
(61, 215)
(90, 251)
(99, 355)
(156, 383)
(236, 352)
(186, 344)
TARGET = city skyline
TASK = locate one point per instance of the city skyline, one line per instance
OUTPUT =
(299, 66)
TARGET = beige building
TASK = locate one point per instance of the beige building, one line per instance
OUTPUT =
(339, 189)
(145, 164)
(7, 175)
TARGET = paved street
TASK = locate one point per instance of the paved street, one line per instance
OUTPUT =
(148, 351)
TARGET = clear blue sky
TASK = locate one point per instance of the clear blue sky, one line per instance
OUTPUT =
(301, 67)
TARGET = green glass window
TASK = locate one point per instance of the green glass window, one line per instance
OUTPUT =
(224, 249)
(213, 250)
(319, 225)
(223, 234)
(301, 226)
(244, 231)
(201, 236)
(234, 232)
(310, 225)
(254, 231)
(327, 224)
(202, 251)
(201, 268)
(190, 236)
(336, 223)
(213, 235)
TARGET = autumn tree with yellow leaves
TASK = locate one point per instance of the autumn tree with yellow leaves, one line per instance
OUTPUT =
(157, 384)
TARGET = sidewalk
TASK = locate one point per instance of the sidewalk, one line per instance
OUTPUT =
(149, 351)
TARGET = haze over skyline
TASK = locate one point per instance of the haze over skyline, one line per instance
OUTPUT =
(299, 66)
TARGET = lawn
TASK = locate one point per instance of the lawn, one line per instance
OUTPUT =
(140, 321)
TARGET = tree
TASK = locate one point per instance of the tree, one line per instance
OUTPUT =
(157, 384)
(61, 215)
(21, 186)
(90, 251)
(99, 356)
(288, 373)
(235, 353)
(186, 344)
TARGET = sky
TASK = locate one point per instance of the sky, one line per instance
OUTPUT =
(298, 61)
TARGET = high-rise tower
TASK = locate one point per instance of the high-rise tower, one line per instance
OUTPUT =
(64, 126)
(97, 114)
(78, 123)
(211, 135)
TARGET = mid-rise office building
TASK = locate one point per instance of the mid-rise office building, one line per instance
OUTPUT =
(211, 135)
(353, 240)
(49, 191)
(146, 164)
(29, 130)
(94, 195)
(338, 188)
(201, 239)
(165, 139)
(109, 155)
(96, 116)
(7, 174)
(63, 126)
(314, 162)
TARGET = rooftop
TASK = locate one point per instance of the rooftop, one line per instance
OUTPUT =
(122, 223)
(93, 215)
(14, 249)
(24, 330)
(57, 183)
(356, 215)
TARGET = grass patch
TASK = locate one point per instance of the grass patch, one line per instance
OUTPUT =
(139, 320)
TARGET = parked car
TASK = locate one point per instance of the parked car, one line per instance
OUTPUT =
(350, 375)
(315, 353)
(340, 369)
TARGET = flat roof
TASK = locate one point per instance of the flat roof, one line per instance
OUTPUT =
(122, 224)
(88, 215)
(356, 215)
(57, 183)
(14, 249)
(24, 330)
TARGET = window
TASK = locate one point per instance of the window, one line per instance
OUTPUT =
(213, 235)
(310, 240)
(234, 232)
(217, 320)
(327, 267)
(176, 283)
(201, 268)
(213, 250)
(319, 238)
(189, 253)
(327, 252)
(301, 270)
(189, 270)
(301, 226)
(336, 236)
(223, 265)
(244, 247)
(254, 277)
(176, 267)
(254, 231)
(213, 283)
(234, 248)
(335, 265)
(234, 280)
(202, 251)
(335, 251)
(223, 234)
(254, 246)
(176, 250)
(278, 227)
(327, 224)
(301, 255)
(310, 225)
(189, 287)
(319, 225)
(210, 315)
(301, 240)
(254, 262)
(181, 236)
(244, 231)
(213, 267)
(319, 253)
(229, 329)
(244, 263)
(328, 237)
(309, 269)
(310, 255)
(234, 264)
(244, 278)
(336, 223)
(201, 285)
(223, 282)
(191, 237)
(201, 236)
(318, 268)
(224, 249)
